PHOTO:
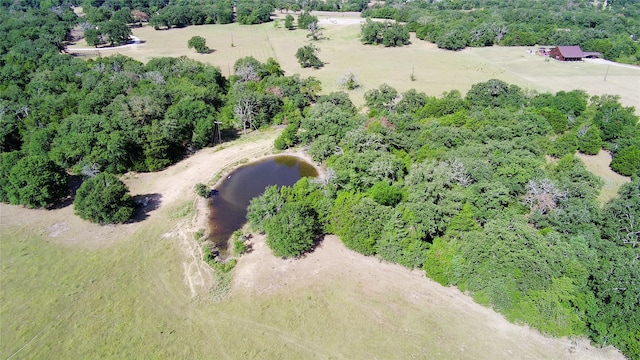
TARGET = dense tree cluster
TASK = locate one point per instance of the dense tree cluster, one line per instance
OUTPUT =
(612, 30)
(386, 33)
(460, 187)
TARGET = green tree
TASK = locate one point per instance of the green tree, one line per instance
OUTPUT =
(288, 22)
(627, 161)
(104, 199)
(308, 57)
(292, 231)
(7, 161)
(116, 31)
(589, 141)
(36, 181)
(92, 37)
(199, 44)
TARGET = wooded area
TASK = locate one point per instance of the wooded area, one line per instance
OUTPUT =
(456, 185)
(612, 30)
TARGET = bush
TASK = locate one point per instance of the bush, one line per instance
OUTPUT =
(35, 181)
(199, 44)
(627, 161)
(239, 244)
(104, 199)
(203, 190)
(291, 232)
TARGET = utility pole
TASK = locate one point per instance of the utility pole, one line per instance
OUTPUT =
(218, 123)
(607, 73)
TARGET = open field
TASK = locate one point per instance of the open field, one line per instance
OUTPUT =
(74, 290)
(435, 70)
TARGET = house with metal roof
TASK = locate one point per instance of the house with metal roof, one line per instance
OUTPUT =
(572, 53)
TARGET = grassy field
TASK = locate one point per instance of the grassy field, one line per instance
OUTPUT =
(435, 70)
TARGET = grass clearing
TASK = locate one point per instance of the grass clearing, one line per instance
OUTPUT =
(599, 165)
(435, 70)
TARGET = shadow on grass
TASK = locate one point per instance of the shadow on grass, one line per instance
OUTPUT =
(145, 204)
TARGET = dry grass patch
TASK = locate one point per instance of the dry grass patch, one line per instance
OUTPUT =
(599, 165)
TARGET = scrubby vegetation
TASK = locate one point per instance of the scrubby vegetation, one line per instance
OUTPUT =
(459, 186)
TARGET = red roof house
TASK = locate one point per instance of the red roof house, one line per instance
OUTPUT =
(571, 53)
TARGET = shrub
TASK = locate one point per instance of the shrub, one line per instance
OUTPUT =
(199, 44)
(104, 199)
(292, 230)
(203, 190)
(239, 244)
(35, 181)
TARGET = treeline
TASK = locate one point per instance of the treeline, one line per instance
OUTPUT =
(460, 187)
(614, 30)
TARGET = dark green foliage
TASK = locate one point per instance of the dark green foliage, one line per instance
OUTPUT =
(387, 33)
(292, 230)
(264, 207)
(382, 98)
(627, 161)
(7, 161)
(385, 194)
(350, 219)
(253, 12)
(556, 119)
(589, 141)
(199, 44)
(203, 190)
(495, 93)
(35, 181)
(307, 57)
(288, 22)
(104, 199)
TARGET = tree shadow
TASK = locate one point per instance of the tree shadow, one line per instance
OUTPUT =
(67, 199)
(145, 204)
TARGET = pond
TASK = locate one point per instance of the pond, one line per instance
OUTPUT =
(228, 205)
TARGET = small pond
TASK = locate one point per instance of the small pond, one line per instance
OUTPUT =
(228, 205)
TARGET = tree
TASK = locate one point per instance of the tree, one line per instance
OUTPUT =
(382, 98)
(315, 32)
(104, 199)
(307, 57)
(627, 161)
(292, 231)
(92, 37)
(36, 181)
(288, 22)
(305, 19)
(116, 31)
(199, 44)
